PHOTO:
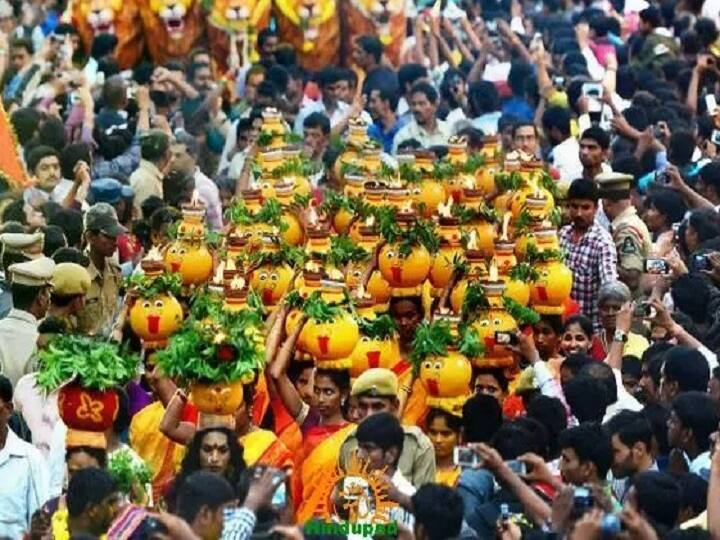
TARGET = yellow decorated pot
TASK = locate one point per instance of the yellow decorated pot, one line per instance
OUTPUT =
(373, 353)
(454, 188)
(495, 319)
(194, 262)
(192, 227)
(504, 258)
(552, 289)
(490, 147)
(517, 290)
(354, 185)
(155, 319)
(217, 398)
(442, 268)
(342, 220)
(430, 194)
(485, 177)
(485, 235)
(271, 282)
(535, 193)
(332, 340)
(404, 271)
(446, 380)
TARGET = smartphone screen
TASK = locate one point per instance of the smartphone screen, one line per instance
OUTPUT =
(710, 103)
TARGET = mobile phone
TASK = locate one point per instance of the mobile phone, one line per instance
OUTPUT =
(701, 262)
(465, 457)
(644, 310)
(590, 89)
(595, 110)
(505, 338)
(657, 266)
(504, 512)
(518, 467)
(710, 103)
(583, 500)
(715, 137)
(279, 498)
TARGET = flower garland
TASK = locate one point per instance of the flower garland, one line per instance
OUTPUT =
(59, 525)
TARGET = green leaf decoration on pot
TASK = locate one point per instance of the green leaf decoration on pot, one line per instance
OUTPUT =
(470, 344)
(431, 339)
(352, 169)
(295, 167)
(443, 169)
(128, 473)
(226, 348)
(343, 251)
(148, 286)
(546, 181)
(264, 138)
(473, 163)
(381, 327)
(475, 300)
(524, 272)
(509, 182)
(422, 232)
(523, 315)
(93, 363)
(319, 310)
(293, 256)
(205, 304)
(533, 255)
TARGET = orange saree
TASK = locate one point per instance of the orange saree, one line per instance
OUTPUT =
(321, 448)
(262, 446)
(160, 453)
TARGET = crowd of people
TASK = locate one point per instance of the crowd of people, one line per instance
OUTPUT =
(605, 422)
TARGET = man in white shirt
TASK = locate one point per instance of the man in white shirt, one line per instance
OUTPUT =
(184, 151)
(565, 154)
(693, 419)
(425, 127)
(24, 484)
(380, 442)
(329, 79)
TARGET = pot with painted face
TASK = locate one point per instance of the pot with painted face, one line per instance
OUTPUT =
(87, 409)
(271, 282)
(293, 234)
(220, 398)
(491, 320)
(331, 343)
(450, 248)
(446, 380)
(192, 260)
(550, 292)
(504, 258)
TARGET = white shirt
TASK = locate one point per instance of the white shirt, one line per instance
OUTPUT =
(338, 115)
(18, 336)
(453, 117)
(412, 130)
(566, 159)
(24, 485)
(625, 400)
(39, 410)
(209, 194)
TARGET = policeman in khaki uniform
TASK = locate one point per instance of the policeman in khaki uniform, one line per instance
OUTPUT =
(630, 233)
(18, 331)
(376, 391)
(16, 247)
(102, 302)
(71, 282)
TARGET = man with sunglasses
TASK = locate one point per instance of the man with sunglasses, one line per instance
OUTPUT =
(102, 300)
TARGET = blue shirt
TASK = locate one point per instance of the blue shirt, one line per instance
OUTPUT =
(386, 138)
(518, 108)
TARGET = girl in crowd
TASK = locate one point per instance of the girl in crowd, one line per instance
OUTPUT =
(322, 422)
(213, 449)
(444, 431)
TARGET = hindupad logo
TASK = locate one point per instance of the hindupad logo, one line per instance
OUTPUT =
(358, 504)
(367, 530)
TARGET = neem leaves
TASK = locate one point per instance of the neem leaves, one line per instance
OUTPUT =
(381, 327)
(149, 286)
(523, 315)
(92, 362)
(127, 472)
(223, 349)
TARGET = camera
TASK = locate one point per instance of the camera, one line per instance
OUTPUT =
(594, 90)
(611, 525)
(656, 266)
(701, 262)
(583, 501)
(505, 338)
(518, 467)
(465, 457)
(643, 310)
